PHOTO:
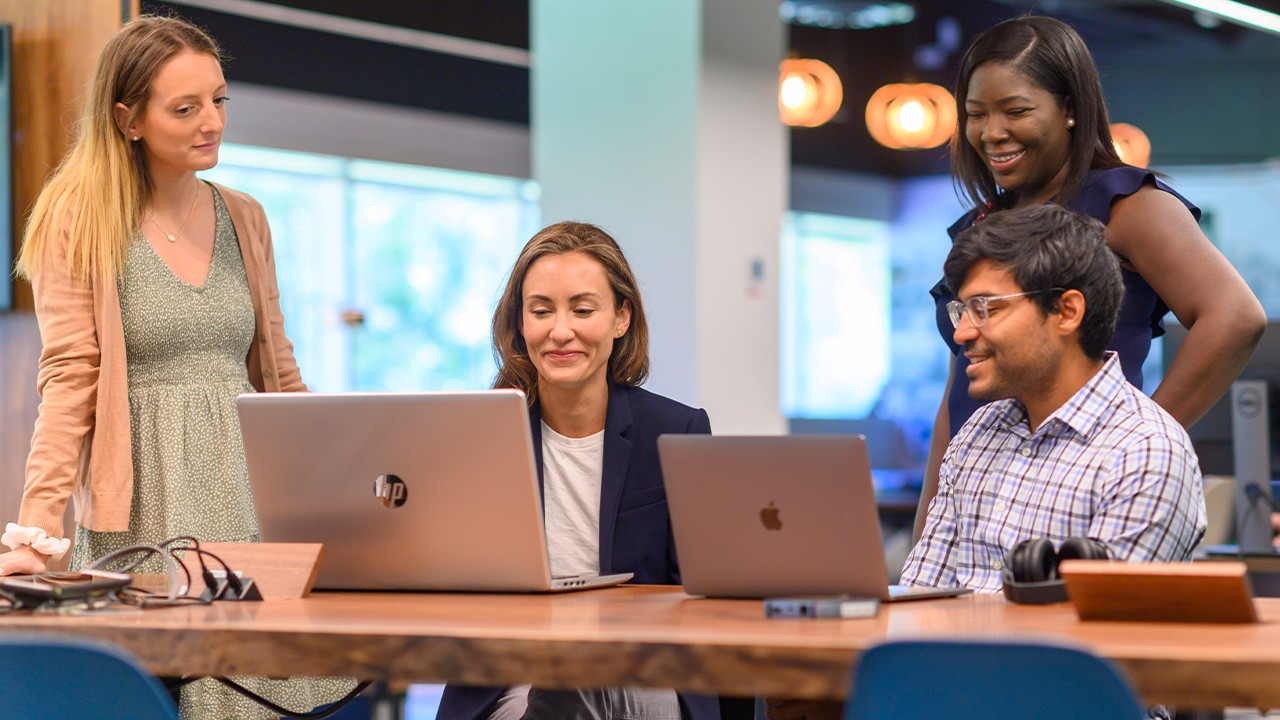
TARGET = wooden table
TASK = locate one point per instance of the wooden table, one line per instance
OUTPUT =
(651, 636)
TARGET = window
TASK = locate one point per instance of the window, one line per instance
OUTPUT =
(835, 315)
(388, 273)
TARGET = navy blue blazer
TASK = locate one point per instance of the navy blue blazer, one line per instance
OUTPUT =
(635, 526)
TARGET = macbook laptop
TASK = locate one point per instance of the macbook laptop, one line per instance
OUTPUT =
(407, 491)
(777, 516)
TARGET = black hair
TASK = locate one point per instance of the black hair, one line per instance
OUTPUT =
(1045, 247)
(1054, 57)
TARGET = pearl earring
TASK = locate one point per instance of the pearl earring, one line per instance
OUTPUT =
(1071, 122)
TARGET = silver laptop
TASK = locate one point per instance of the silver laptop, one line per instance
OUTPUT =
(407, 491)
(777, 516)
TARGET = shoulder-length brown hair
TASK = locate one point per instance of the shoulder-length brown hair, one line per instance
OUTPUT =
(629, 361)
(1054, 57)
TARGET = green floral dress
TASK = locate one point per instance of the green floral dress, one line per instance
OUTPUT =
(186, 347)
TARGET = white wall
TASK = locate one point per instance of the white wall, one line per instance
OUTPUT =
(658, 121)
(292, 120)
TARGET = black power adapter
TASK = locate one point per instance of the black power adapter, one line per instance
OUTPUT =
(228, 587)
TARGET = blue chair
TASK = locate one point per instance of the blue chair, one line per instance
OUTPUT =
(63, 678)
(987, 680)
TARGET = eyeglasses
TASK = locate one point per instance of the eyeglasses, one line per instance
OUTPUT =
(979, 307)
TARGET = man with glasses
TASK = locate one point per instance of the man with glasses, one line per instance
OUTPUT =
(1067, 447)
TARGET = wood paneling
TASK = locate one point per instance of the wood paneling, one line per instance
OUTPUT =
(55, 44)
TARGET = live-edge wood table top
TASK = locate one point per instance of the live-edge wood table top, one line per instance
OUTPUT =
(651, 636)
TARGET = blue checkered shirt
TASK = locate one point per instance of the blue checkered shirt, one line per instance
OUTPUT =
(1109, 464)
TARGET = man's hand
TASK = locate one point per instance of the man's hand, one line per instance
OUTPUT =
(779, 709)
(23, 561)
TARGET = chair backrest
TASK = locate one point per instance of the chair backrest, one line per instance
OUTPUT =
(987, 680)
(63, 678)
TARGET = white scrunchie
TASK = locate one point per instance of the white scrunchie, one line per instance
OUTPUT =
(15, 536)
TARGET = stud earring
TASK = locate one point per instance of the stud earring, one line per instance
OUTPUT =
(1071, 122)
(618, 334)
(135, 138)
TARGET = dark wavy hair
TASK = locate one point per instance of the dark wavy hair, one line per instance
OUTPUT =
(629, 361)
(1047, 246)
(1054, 57)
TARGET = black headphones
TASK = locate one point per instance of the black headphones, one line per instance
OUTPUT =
(1031, 568)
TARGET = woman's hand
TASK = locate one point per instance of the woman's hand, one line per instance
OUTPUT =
(23, 561)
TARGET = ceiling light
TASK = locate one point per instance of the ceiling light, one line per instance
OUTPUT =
(809, 92)
(1131, 144)
(1236, 12)
(1205, 20)
(855, 14)
(905, 116)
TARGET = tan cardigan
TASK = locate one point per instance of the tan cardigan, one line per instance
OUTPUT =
(81, 445)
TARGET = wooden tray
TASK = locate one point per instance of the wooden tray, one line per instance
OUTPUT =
(1216, 592)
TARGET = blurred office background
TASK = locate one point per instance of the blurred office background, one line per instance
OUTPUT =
(399, 181)
(405, 150)
(401, 150)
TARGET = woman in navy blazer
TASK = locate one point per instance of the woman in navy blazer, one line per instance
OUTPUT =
(635, 530)
(570, 332)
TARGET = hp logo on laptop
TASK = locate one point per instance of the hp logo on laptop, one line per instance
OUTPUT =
(390, 490)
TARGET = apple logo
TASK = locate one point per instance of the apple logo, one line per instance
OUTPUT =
(769, 517)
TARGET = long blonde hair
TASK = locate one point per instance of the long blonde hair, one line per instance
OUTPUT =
(97, 195)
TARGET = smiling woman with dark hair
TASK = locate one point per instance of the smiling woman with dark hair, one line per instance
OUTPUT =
(1035, 130)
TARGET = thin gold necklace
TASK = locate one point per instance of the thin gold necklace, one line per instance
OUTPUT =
(173, 236)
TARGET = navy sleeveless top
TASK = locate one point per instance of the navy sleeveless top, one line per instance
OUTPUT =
(1141, 311)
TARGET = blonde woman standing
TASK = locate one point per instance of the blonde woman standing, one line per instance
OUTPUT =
(157, 303)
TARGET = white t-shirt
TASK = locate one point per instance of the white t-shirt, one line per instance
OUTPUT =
(571, 472)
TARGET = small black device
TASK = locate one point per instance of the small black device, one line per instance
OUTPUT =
(223, 585)
(64, 587)
(832, 606)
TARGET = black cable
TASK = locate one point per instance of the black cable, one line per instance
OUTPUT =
(233, 580)
(1253, 493)
(144, 550)
(191, 539)
(284, 712)
(166, 550)
(134, 555)
(169, 551)
(146, 599)
(210, 581)
(192, 542)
